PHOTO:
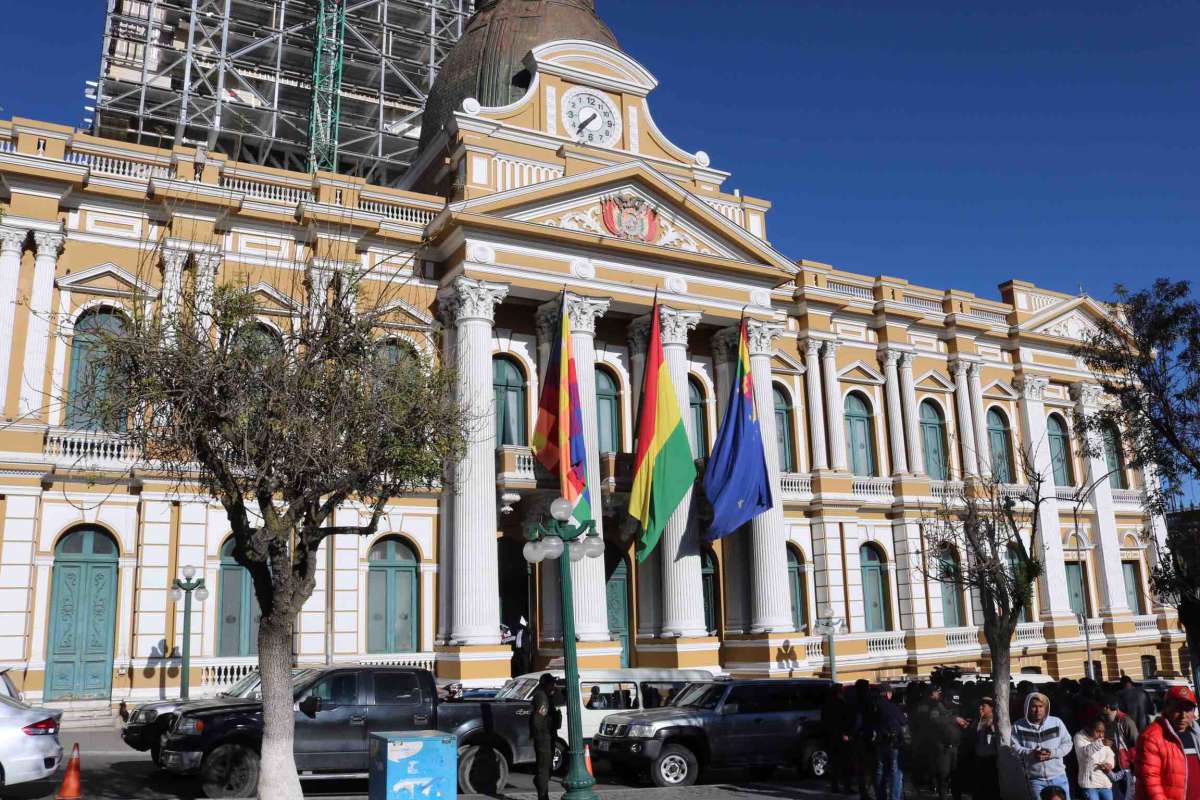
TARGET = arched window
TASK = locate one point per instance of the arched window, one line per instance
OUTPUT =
(608, 411)
(83, 616)
(395, 352)
(699, 410)
(874, 586)
(860, 438)
(257, 340)
(508, 383)
(1060, 451)
(933, 441)
(392, 609)
(1000, 445)
(1013, 558)
(89, 388)
(237, 627)
(796, 589)
(950, 577)
(784, 428)
(1114, 458)
(709, 580)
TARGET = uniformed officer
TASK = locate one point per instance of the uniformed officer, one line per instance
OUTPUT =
(543, 726)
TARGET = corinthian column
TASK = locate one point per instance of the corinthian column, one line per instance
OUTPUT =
(11, 242)
(736, 574)
(469, 305)
(770, 608)
(173, 262)
(982, 457)
(908, 391)
(649, 572)
(587, 574)
(966, 430)
(37, 337)
(833, 407)
(679, 550)
(895, 422)
(816, 408)
(207, 265)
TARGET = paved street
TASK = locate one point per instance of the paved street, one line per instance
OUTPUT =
(112, 771)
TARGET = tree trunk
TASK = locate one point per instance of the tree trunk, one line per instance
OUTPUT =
(1013, 785)
(1001, 673)
(278, 779)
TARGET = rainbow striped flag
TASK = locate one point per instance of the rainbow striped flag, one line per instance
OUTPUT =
(664, 469)
(558, 436)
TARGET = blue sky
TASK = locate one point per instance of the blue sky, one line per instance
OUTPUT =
(950, 143)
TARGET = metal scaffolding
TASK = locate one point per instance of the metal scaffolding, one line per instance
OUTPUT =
(238, 75)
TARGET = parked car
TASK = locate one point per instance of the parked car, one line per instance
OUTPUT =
(29, 746)
(724, 723)
(149, 722)
(603, 691)
(336, 709)
(7, 687)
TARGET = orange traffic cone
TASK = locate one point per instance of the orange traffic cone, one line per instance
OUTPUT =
(587, 759)
(70, 786)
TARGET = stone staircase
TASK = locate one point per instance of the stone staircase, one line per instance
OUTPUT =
(85, 713)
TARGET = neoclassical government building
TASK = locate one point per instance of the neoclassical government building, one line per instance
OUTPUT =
(542, 168)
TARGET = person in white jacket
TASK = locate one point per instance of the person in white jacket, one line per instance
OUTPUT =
(1041, 741)
(1096, 761)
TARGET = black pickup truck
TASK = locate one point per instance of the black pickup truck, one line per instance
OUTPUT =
(724, 723)
(335, 711)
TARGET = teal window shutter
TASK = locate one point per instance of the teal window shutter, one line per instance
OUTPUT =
(784, 426)
(608, 412)
(859, 435)
(1000, 444)
(1060, 451)
(699, 410)
(933, 441)
(508, 384)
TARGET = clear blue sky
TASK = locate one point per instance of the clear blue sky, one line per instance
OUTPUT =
(950, 143)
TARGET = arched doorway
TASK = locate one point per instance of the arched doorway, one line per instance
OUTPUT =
(392, 610)
(237, 627)
(875, 605)
(618, 607)
(83, 605)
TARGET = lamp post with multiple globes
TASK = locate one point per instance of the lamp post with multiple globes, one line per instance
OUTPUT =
(579, 541)
(182, 589)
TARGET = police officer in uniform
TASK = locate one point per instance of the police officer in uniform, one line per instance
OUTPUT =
(543, 726)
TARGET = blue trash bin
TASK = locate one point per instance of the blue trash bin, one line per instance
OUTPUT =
(413, 765)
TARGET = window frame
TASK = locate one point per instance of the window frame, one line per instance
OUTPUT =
(614, 412)
(519, 413)
(698, 413)
(934, 427)
(1059, 442)
(866, 422)
(1003, 467)
(785, 428)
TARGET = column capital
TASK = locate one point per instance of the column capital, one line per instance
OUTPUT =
(890, 356)
(637, 335)
(1087, 395)
(48, 243)
(676, 325)
(725, 344)
(958, 367)
(975, 370)
(812, 347)
(1032, 387)
(12, 239)
(829, 348)
(468, 299)
(174, 259)
(207, 262)
(581, 310)
(761, 336)
(906, 359)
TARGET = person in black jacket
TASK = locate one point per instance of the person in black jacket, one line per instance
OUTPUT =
(891, 737)
(862, 737)
(941, 739)
(837, 721)
(1135, 703)
(544, 720)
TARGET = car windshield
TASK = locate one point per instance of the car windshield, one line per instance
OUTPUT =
(242, 687)
(11, 702)
(516, 689)
(700, 695)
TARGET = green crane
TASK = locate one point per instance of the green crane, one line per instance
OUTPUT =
(329, 39)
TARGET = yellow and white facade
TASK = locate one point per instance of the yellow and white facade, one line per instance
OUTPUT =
(885, 395)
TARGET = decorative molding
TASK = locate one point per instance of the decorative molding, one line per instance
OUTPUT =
(760, 298)
(12, 239)
(1032, 387)
(676, 284)
(761, 336)
(676, 325)
(48, 244)
(583, 268)
(725, 344)
(1088, 395)
(481, 254)
(582, 312)
(468, 299)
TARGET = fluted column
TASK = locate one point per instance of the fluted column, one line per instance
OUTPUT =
(816, 408)
(469, 305)
(770, 608)
(908, 392)
(895, 421)
(983, 458)
(1112, 582)
(588, 581)
(679, 550)
(734, 549)
(173, 262)
(37, 337)
(1053, 583)
(966, 430)
(11, 242)
(833, 407)
(649, 572)
(207, 265)
(320, 276)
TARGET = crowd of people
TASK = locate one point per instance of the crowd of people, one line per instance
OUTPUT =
(1071, 739)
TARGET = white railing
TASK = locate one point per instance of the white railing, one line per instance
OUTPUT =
(1030, 632)
(1128, 497)
(401, 213)
(729, 211)
(814, 648)
(879, 644)
(419, 660)
(218, 674)
(873, 488)
(1146, 623)
(851, 290)
(88, 449)
(962, 638)
(1095, 629)
(1015, 491)
(268, 191)
(989, 316)
(121, 167)
(946, 490)
(515, 173)
(7, 146)
(525, 465)
(1067, 494)
(926, 303)
(795, 486)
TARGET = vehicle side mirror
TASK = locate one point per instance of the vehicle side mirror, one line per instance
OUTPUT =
(729, 708)
(310, 705)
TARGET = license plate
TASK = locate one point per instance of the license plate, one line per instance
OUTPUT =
(601, 745)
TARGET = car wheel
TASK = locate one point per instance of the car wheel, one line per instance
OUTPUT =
(559, 761)
(675, 766)
(815, 762)
(482, 769)
(230, 770)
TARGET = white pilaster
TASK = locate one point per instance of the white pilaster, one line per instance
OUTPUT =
(475, 615)
(895, 420)
(983, 458)
(11, 242)
(770, 608)
(320, 276)
(966, 430)
(838, 458)
(37, 336)
(1054, 602)
(816, 408)
(908, 392)
(206, 265)
(829, 583)
(734, 553)
(1112, 582)
(173, 262)
(910, 575)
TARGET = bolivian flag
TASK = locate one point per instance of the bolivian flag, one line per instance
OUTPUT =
(664, 470)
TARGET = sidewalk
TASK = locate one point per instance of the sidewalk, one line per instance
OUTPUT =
(717, 791)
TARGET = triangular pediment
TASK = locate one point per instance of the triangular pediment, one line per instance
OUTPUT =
(860, 372)
(107, 280)
(1075, 320)
(404, 314)
(659, 211)
(1000, 390)
(782, 363)
(269, 300)
(934, 381)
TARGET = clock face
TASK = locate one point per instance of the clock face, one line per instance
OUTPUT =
(589, 117)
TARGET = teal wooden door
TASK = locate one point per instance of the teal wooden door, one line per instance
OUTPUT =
(1076, 592)
(618, 608)
(392, 616)
(874, 599)
(83, 600)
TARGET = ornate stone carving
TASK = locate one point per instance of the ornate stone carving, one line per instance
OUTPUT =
(48, 243)
(812, 347)
(889, 356)
(12, 239)
(481, 254)
(906, 359)
(676, 324)
(975, 370)
(761, 335)
(582, 268)
(1087, 395)
(760, 298)
(637, 335)
(676, 285)
(468, 299)
(725, 344)
(829, 348)
(582, 311)
(958, 368)
(1032, 387)
(545, 321)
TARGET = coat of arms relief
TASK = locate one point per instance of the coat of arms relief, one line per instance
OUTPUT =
(630, 217)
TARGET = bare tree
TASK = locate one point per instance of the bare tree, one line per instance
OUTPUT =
(283, 429)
